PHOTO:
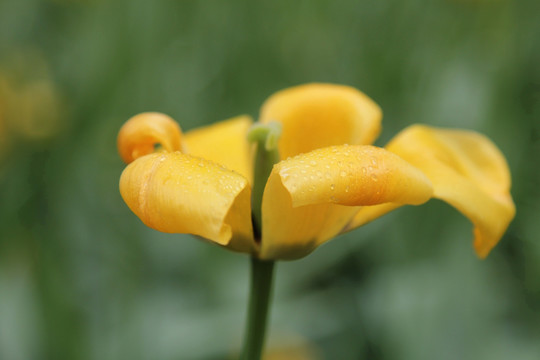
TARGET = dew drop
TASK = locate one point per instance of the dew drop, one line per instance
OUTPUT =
(364, 171)
(313, 163)
(347, 189)
(332, 187)
(343, 173)
(374, 177)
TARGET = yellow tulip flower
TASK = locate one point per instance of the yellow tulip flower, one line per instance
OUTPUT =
(328, 180)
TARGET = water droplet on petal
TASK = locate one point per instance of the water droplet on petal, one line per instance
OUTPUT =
(343, 173)
(332, 187)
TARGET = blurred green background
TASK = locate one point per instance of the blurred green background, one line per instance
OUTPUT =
(82, 278)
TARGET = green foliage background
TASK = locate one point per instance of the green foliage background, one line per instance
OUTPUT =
(82, 278)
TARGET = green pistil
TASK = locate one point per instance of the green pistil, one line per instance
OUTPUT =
(266, 138)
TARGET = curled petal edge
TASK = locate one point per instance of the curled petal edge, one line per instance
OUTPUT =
(312, 197)
(179, 193)
(467, 171)
(139, 135)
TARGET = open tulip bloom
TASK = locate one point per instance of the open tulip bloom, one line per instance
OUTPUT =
(303, 174)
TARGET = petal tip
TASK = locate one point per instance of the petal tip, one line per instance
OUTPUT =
(333, 115)
(139, 135)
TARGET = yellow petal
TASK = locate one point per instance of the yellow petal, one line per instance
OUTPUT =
(224, 143)
(179, 193)
(367, 214)
(468, 171)
(320, 115)
(310, 198)
(142, 132)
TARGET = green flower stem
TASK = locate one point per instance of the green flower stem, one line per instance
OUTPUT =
(266, 137)
(259, 301)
